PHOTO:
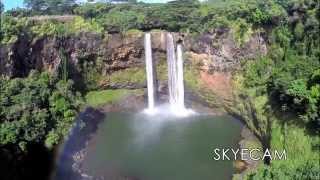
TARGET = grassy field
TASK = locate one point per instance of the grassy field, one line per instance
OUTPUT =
(102, 97)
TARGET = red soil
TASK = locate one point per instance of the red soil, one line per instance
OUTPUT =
(219, 82)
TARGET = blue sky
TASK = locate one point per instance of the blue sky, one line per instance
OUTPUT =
(10, 4)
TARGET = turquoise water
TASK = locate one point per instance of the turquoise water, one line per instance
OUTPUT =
(161, 148)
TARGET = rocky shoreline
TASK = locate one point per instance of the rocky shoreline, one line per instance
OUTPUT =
(248, 141)
(74, 150)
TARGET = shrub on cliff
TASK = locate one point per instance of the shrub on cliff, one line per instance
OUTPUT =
(308, 171)
(36, 109)
(54, 28)
(90, 10)
(11, 29)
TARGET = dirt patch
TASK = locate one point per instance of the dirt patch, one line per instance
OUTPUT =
(218, 82)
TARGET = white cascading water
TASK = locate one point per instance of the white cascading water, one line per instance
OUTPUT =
(149, 69)
(175, 78)
(172, 71)
(180, 85)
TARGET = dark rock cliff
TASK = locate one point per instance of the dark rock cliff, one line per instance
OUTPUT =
(218, 50)
(215, 51)
(115, 52)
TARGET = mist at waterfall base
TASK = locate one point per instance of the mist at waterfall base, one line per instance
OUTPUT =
(175, 80)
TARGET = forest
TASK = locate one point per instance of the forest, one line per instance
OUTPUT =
(282, 88)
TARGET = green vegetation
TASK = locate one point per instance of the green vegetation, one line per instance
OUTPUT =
(192, 76)
(38, 109)
(129, 75)
(13, 28)
(134, 32)
(180, 16)
(102, 97)
(193, 82)
(52, 27)
(162, 68)
(302, 159)
(278, 96)
(298, 143)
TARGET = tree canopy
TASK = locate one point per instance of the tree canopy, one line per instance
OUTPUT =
(51, 6)
(38, 109)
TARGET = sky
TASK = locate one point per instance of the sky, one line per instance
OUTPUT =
(10, 4)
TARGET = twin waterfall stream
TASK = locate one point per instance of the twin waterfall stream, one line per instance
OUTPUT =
(175, 77)
(166, 141)
(149, 69)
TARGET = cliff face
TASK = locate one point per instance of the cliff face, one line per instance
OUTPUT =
(219, 52)
(114, 51)
(213, 52)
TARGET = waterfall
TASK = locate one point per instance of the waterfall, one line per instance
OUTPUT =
(149, 69)
(180, 85)
(172, 76)
(175, 75)
(175, 79)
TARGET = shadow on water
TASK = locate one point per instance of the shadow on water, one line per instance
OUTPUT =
(87, 124)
